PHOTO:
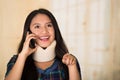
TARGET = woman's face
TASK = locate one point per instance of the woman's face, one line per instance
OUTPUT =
(42, 27)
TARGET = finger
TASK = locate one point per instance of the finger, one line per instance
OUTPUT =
(73, 60)
(67, 61)
(34, 49)
(27, 42)
(64, 60)
(66, 55)
(30, 35)
(70, 61)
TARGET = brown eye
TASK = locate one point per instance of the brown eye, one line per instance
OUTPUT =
(49, 25)
(37, 26)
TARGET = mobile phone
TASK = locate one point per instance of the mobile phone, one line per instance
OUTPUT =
(32, 42)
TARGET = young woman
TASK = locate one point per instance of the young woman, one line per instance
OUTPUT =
(42, 53)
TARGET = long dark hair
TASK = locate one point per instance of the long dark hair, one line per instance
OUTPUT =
(29, 72)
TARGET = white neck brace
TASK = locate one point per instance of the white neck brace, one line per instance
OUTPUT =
(44, 55)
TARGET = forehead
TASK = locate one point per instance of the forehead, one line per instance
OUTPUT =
(41, 17)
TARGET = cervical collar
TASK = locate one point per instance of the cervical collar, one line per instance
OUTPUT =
(44, 55)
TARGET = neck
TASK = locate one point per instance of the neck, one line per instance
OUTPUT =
(45, 54)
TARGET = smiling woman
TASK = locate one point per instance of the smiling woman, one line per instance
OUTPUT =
(10, 26)
(49, 59)
(42, 27)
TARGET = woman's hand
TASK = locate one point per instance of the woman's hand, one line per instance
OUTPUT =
(69, 59)
(26, 51)
(20, 62)
(71, 62)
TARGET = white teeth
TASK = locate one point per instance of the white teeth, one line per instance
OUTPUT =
(43, 37)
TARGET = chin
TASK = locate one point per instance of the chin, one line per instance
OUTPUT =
(44, 46)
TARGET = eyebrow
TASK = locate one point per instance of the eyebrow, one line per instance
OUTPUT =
(49, 22)
(36, 24)
(40, 24)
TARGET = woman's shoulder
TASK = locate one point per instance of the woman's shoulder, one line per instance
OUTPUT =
(13, 59)
(11, 63)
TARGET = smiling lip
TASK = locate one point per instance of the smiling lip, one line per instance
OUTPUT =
(44, 38)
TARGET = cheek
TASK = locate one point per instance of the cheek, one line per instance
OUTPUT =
(53, 33)
(35, 32)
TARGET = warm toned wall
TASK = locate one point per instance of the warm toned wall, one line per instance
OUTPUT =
(12, 17)
(104, 64)
(116, 38)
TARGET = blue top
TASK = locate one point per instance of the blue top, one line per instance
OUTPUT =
(54, 72)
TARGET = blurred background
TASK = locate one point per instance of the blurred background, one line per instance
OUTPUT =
(90, 28)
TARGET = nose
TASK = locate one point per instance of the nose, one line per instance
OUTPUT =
(44, 30)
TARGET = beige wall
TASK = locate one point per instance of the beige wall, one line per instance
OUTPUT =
(14, 12)
(12, 17)
(116, 38)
